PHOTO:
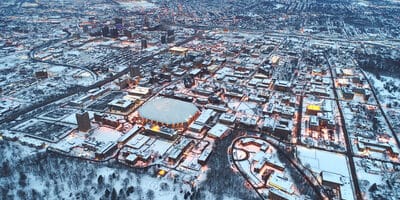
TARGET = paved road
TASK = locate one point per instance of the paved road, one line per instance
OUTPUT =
(349, 153)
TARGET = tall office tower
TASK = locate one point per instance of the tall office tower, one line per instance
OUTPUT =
(163, 39)
(144, 43)
(170, 33)
(114, 33)
(134, 71)
(170, 36)
(83, 121)
(118, 20)
(128, 33)
(105, 30)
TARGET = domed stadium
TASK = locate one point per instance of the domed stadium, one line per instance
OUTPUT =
(168, 112)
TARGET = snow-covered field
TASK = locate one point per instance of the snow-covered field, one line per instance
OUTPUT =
(136, 5)
(26, 173)
(387, 89)
(319, 161)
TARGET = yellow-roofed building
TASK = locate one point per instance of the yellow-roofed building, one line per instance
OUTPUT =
(313, 109)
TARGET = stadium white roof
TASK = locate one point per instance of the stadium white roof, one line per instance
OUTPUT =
(168, 111)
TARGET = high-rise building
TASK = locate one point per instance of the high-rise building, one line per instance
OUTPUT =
(163, 39)
(118, 20)
(85, 28)
(146, 21)
(144, 43)
(95, 32)
(171, 39)
(170, 32)
(134, 71)
(128, 33)
(114, 33)
(170, 36)
(105, 31)
(83, 120)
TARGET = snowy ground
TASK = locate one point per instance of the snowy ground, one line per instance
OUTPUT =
(319, 161)
(387, 89)
(47, 176)
(379, 173)
(136, 5)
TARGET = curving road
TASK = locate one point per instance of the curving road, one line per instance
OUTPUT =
(310, 182)
(33, 51)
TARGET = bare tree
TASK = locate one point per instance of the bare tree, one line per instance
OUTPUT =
(150, 194)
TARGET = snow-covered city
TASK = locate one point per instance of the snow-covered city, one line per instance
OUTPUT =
(200, 99)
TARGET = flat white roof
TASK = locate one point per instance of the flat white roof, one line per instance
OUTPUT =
(282, 194)
(179, 49)
(281, 184)
(131, 157)
(332, 177)
(218, 130)
(139, 90)
(196, 126)
(138, 141)
(205, 116)
(228, 117)
(122, 103)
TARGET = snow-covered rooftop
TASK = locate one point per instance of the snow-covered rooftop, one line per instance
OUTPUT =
(218, 130)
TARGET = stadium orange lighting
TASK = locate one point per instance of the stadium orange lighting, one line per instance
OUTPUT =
(155, 128)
